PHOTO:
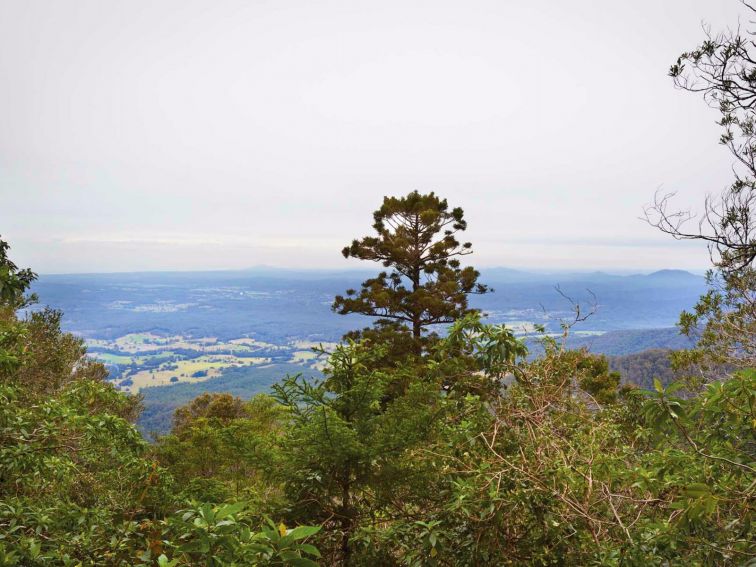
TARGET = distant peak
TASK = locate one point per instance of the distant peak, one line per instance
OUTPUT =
(671, 274)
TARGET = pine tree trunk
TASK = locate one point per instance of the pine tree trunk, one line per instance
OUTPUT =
(417, 330)
(346, 521)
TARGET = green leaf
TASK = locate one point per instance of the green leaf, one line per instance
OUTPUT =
(207, 512)
(301, 562)
(230, 510)
(301, 532)
(309, 548)
(697, 490)
(164, 562)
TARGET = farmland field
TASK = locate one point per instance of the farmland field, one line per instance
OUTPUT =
(142, 360)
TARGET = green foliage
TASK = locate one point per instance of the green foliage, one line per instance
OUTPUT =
(52, 359)
(348, 455)
(597, 380)
(542, 476)
(245, 382)
(641, 368)
(74, 474)
(724, 322)
(206, 535)
(220, 447)
(477, 358)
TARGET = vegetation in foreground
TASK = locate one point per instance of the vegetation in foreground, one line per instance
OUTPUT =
(414, 448)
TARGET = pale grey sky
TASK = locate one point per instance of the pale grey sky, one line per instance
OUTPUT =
(141, 135)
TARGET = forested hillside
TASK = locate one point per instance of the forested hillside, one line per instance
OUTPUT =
(642, 368)
(425, 435)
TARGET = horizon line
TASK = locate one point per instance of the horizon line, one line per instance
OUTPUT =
(622, 272)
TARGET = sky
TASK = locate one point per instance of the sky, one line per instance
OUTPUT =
(192, 135)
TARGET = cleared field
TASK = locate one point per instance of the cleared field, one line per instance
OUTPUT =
(127, 359)
(308, 358)
(135, 342)
(146, 343)
(308, 345)
(109, 358)
(183, 371)
(253, 343)
(303, 356)
(134, 357)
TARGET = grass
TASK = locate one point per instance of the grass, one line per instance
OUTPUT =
(208, 355)
(142, 343)
(128, 359)
(212, 365)
(109, 358)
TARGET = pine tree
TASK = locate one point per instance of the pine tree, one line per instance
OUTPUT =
(347, 454)
(426, 285)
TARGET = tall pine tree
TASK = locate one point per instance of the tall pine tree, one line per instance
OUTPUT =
(416, 237)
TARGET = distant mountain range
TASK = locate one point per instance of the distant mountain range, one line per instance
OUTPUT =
(277, 304)
(501, 273)
(512, 275)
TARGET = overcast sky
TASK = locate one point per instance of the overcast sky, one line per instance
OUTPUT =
(140, 135)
